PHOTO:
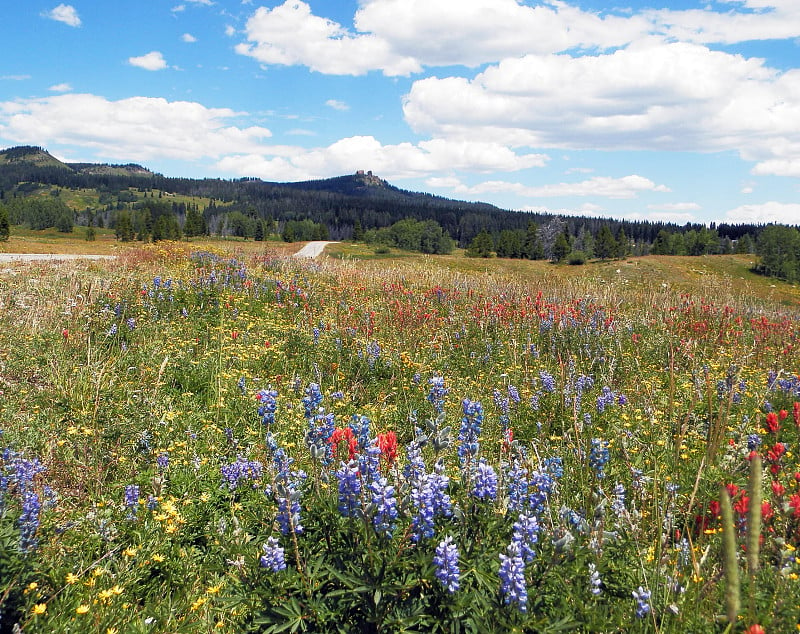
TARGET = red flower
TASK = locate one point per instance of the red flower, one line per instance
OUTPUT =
(387, 443)
(796, 413)
(794, 504)
(65, 334)
(772, 422)
(755, 629)
(344, 435)
(733, 490)
(766, 511)
(741, 505)
(777, 488)
(713, 508)
(782, 414)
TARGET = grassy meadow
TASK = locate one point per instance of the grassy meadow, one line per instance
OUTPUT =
(216, 437)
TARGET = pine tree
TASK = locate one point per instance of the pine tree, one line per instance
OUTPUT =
(5, 226)
(605, 246)
(561, 248)
(481, 246)
(124, 229)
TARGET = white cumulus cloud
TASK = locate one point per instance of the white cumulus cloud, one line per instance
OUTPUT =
(599, 186)
(763, 213)
(188, 38)
(153, 60)
(65, 13)
(60, 88)
(648, 96)
(138, 128)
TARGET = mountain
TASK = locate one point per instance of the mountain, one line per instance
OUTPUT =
(338, 205)
(36, 157)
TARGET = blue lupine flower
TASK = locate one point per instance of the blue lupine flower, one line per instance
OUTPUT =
(526, 534)
(470, 430)
(385, 504)
(753, 442)
(512, 577)
(618, 503)
(594, 581)
(241, 469)
(437, 393)
(513, 394)
(485, 486)
(517, 486)
(430, 498)
(268, 407)
(643, 606)
(311, 401)
(349, 489)
(132, 500)
(274, 557)
(548, 382)
(288, 495)
(607, 397)
(446, 562)
(599, 456)
(162, 460)
(29, 520)
(318, 437)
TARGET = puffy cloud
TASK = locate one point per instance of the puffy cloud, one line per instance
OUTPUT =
(675, 207)
(403, 36)
(188, 38)
(139, 128)
(60, 88)
(65, 13)
(599, 186)
(290, 35)
(153, 60)
(785, 213)
(404, 160)
(649, 96)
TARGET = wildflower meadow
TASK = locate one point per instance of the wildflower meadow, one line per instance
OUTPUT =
(207, 441)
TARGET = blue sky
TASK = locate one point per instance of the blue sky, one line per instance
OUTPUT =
(683, 110)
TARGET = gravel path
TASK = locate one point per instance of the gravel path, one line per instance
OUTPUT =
(313, 249)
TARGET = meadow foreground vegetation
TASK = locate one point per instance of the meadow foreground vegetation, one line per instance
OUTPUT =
(200, 440)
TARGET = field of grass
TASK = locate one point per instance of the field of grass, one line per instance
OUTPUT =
(213, 436)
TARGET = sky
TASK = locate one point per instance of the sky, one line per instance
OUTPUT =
(679, 111)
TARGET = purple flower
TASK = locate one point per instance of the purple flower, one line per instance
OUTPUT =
(132, 500)
(274, 557)
(385, 504)
(349, 489)
(29, 521)
(485, 486)
(643, 606)
(512, 577)
(471, 423)
(599, 456)
(446, 562)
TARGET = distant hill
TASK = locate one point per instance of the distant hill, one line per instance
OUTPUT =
(37, 157)
(341, 205)
(30, 155)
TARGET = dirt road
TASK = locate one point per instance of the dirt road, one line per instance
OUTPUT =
(313, 249)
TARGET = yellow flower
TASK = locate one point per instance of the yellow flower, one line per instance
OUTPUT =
(112, 630)
(129, 552)
(72, 578)
(40, 608)
(158, 558)
(82, 609)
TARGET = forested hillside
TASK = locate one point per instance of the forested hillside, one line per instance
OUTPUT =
(39, 190)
